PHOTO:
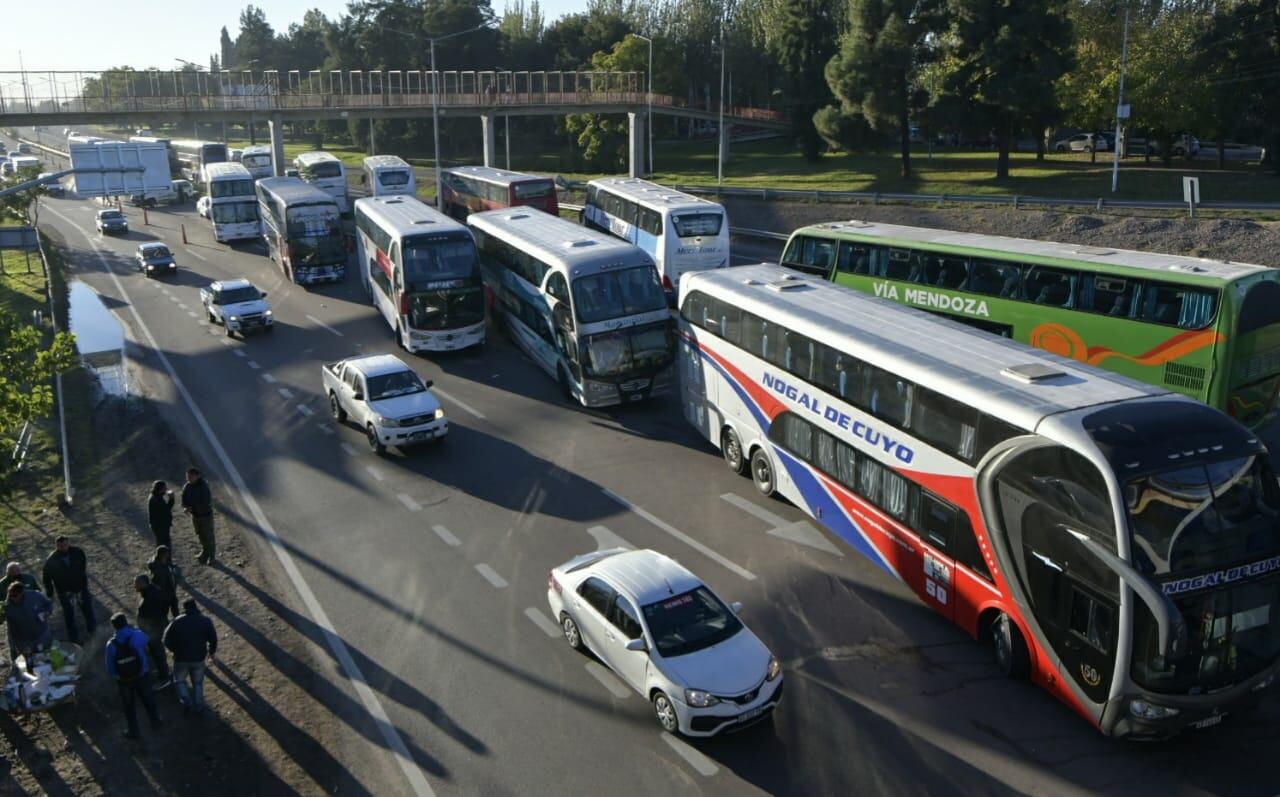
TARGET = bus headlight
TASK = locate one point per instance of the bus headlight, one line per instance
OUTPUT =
(1150, 711)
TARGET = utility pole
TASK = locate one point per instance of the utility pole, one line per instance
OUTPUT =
(649, 101)
(435, 104)
(720, 130)
(1122, 111)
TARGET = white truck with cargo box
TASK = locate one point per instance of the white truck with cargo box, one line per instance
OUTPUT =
(385, 398)
(238, 305)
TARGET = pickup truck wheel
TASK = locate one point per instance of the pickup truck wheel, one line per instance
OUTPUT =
(212, 318)
(335, 408)
(374, 443)
(230, 334)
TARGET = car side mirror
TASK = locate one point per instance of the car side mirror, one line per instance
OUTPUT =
(636, 645)
(429, 383)
(357, 396)
(736, 606)
(264, 294)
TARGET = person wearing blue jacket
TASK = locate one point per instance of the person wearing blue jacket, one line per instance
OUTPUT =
(127, 663)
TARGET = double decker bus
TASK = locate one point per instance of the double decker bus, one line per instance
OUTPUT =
(472, 189)
(194, 155)
(257, 159)
(326, 172)
(681, 232)
(421, 270)
(1204, 328)
(303, 230)
(388, 175)
(587, 308)
(1118, 543)
(233, 204)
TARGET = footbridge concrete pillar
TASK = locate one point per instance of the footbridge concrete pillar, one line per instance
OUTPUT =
(635, 143)
(486, 129)
(276, 127)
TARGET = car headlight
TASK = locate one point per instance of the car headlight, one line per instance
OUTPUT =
(775, 669)
(1150, 711)
(599, 387)
(439, 413)
(699, 698)
(235, 318)
(390, 423)
(151, 267)
(267, 314)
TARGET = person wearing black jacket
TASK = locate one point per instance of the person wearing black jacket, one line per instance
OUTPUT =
(160, 513)
(153, 614)
(192, 639)
(66, 574)
(197, 501)
(164, 574)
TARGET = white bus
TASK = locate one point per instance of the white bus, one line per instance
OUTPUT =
(682, 233)
(257, 160)
(421, 271)
(587, 308)
(326, 172)
(194, 155)
(1116, 542)
(388, 175)
(233, 205)
(175, 166)
(303, 230)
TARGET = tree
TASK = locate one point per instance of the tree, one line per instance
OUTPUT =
(1237, 53)
(227, 49)
(1165, 83)
(1088, 92)
(26, 367)
(875, 73)
(805, 41)
(304, 44)
(1003, 61)
(255, 46)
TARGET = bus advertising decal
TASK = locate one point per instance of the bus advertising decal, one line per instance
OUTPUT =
(926, 298)
(1066, 342)
(874, 437)
(1220, 577)
(384, 263)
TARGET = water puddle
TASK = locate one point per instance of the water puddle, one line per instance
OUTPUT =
(100, 339)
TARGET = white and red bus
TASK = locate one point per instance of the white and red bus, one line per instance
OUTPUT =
(421, 270)
(1117, 543)
(471, 189)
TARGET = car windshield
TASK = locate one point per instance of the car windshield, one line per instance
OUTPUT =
(624, 351)
(237, 295)
(400, 383)
(446, 309)
(234, 212)
(110, 215)
(433, 260)
(617, 294)
(690, 622)
(156, 253)
(691, 225)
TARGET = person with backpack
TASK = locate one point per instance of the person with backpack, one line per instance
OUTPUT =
(153, 615)
(192, 639)
(160, 513)
(127, 664)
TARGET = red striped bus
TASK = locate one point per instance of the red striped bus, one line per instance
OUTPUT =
(471, 189)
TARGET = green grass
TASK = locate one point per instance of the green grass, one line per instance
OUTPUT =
(21, 291)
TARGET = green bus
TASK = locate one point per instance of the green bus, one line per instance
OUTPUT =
(1208, 329)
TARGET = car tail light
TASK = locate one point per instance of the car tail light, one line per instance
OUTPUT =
(552, 583)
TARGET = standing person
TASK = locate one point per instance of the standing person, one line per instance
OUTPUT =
(66, 574)
(197, 501)
(192, 639)
(164, 574)
(160, 513)
(127, 663)
(13, 575)
(26, 613)
(153, 615)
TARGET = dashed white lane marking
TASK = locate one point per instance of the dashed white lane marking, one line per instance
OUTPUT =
(454, 400)
(224, 340)
(192, 313)
(269, 379)
(374, 472)
(253, 365)
(305, 410)
(173, 298)
(325, 429)
(349, 450)
(197, 255)
(323, 325)
(543, 622)
(610, 681)
(409, 503)
(165, 291)
(606, 539)
(182, 306)
(798, 532)
(702, 765)
(285, 393)
(240, 353)
(446, 535)
(491, 576)
(680, 535)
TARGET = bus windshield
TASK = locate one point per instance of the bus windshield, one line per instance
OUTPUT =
(617, 294)
(692, 225)
(623, 351)
(394, 177)
(434, 259)
(446, 309)
(317, 242)
(323, 170)
(532, 189)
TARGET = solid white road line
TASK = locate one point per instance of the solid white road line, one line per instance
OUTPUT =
(374, 472)
(269, 379)
(454, 400)
(409, 503)
(446, 535)
(680, 535)
(305, 410)
(390, 735)
(491, 576)
(285, 393)
(606, 539)
(323, 325)
(349, 450)
(703, 765)
(610, 681)
(196, 254)
(543, 622)
(253, 365)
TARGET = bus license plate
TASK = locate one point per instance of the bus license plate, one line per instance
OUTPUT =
(1207, 722)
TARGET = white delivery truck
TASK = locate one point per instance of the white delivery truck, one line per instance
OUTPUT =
(120, 168)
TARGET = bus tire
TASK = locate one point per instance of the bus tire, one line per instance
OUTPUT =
(762, 473)
(731, 448)
(565, 389)
(400, 341)
(1011, 653)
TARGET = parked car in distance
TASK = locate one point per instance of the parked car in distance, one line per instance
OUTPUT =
(110, 222)
(238, 305)
(1083, 142)
(202, 206)
(669, 637)
(24, 149)
(155, 258)
(54, 187)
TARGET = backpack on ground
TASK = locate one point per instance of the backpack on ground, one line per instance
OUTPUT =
(128, 661)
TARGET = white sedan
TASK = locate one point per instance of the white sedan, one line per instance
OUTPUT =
(202, 206)
(669, 637)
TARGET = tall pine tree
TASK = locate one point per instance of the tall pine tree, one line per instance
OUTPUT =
(805, 42)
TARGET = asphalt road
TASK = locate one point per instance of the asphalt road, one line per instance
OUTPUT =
(430, 568)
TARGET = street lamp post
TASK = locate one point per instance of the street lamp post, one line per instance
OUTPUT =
(506, 117)
(720, 128)
(435, 103)
(649, 100)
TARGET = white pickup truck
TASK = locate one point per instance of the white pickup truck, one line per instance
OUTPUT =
(238, 305)
(385, 398)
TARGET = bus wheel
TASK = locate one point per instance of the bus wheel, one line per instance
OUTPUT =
(400, 337)
(762, 472)
(1010, 648)
(731, 448)
(565, 389)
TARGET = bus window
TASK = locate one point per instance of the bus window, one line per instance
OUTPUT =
(728, 319)
(890, 397)
(840, 374)
(559, 288)
(1107, 295)
(1261, 307)
(965, 546)
(945, 423)
(1048, 286)
(1178, 306)
(797, 354)
(691, 225)
(993, 278)
(811, 255)
(937, 519)
(899, 265)
(944, 272)
(650, 221)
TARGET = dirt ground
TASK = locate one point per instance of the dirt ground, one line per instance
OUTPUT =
(267, 731)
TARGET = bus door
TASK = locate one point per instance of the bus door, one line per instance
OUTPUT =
(938, 523)
(566, 337)
(693, 382)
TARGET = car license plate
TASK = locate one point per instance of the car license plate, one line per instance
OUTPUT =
(750, 715)
(1207, 722)
(420, 435)
(637, 397)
